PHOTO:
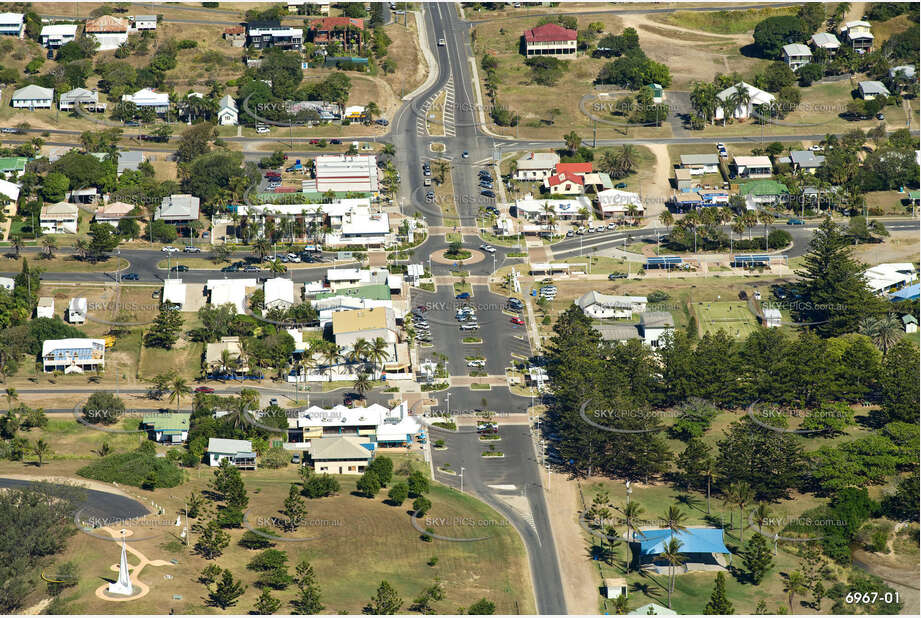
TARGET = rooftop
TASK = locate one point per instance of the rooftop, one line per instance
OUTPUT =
(549, 33)
(361, 319)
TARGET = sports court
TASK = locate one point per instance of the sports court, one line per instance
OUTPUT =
(733, 317)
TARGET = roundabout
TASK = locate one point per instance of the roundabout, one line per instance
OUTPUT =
(440, 257)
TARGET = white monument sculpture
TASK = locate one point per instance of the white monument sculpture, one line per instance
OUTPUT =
(123, 584)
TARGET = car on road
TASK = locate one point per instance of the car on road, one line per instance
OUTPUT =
(262, 130)
(476, 363)
(181, 268)
(230, 269)
(130, 277)
(441, 43)
(463, 296)
(252, 268)
(314, 142)
(427, 171)
(880, 116)
(382, 122)
(620, 185)
(335, 141)
(294, 258)
(612, 226)
(204, 389)
(570, 233)
(614, 276)
(191, 249)
(487, 248)
(169, 249)
(430, 196)
(427, 182)
(487, 193)
(492, 210)
(132, 123)
(469, 326)
(795, 221)
(518, 321)
(465, 155)
(9, 130)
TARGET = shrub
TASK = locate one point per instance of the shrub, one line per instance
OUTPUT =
(321, 486)
(421, 505)
(252, 540)
(133, 468)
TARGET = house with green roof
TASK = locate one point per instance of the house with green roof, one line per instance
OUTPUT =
(169, 427)
(13, 164)
(757, 193)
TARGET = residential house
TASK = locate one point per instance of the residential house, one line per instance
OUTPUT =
(796, 55)
(871, 89)
(227, 113)
(9, 193)
(174, 293)
(653, 325)
(565, 184)
(236, 35)
(858, 35)
(32, 97)
(45, 307)
(806, 160)
(13, 165)
(55, 35)
(573, 168)
(603, 306)
(346, 30)
(13, 24)
(229, 291)
(772, 317)
(76, 310)
(7, 283)
(338, 456)
(346, 173)
(129, 161)
(550, 40)
(110, 31)
(561, 209)
(727, 98)
(167, 427)
(653, 609)
(278, 293)
(299, 6)
(179, 210)
(74, 355)
(683, 180)
(113, 212)
(239, 452)
(699, 164)
(536, 165)
(903, 71)
(60, 218)
(270, 33)
(144, 22)
(148, 97)
(226, 358)
(827, 41)
(612, 203)
(90, 195)
(597, 181)
(87, 100)
(753, 167)
(890, 277)
(761, 192)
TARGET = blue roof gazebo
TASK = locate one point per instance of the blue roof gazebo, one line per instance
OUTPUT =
(699, 541)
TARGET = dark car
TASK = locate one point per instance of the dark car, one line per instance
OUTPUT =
(204, 389)
(130, 277)
(335, 141)
(180, 269)
(132, 123)
(382, 121)
(620, 185)
(614, 276)
(463, 296)
(487, 193)
(229, 269)
(795, 221)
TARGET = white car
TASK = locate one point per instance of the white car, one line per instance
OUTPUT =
(612, 226)
(262, 130)
(293, 257)
(476, 363)
(441, 43)
(169, 249)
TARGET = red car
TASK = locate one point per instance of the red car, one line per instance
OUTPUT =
(313, 141)
(204, 389)
(518, 321)
(421, 307)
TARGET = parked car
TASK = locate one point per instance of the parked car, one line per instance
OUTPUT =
(518, 321)
(427, 182)
(191, 249)
(614, 276)
(880, 116)
(795, 221)
(130, 277)
(181, 268)
(252, 268)
(295, 459)
(620, 185)
(204, 389)
(262, 130)
(463, 296)
(335, 141)
(476, 363)
(229, 269)
(465, 155)
(441, 43)
(487, 193)
(382, 122)
(570, 233)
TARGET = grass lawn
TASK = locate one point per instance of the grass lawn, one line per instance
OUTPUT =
(732, 317)
(643, 173)
(721, 22)
(434, 120)
(888, 202)
(63, 264)
(185, 357)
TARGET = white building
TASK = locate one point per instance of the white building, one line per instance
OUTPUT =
(536, 165)
(796, 55)
(279, 293)
(654, 325)
(229, 291)
(76, 311)
(32, 97)
(227, 113)
(147, 97)
(827, 41)
(12, 24)
(87, 100)
(56, 35)
(772, 317)
(73, 355)
(9, 190)
(144, 22)
(871, 89)
(7, 283)
(753, 167)
(603, 306)
(239, 452)
(617, 203)
(45, 307)
(60, 218)
(537, 209)
(111, 32)
(345, 173)
(175, 293)
(375, 425)
(756, 97)
(890, 277)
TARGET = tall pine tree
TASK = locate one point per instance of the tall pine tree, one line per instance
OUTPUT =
(719, 605)
(757, 558)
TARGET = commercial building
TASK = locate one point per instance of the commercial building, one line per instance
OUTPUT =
(536, 165)
(347, 173)
(604, 306)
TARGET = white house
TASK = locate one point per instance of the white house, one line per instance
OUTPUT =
(9, 190)
(60, 218)
(279, 293)
(699, 164)
(871, 89)
(239, 452)
(76, 311)
(175, 292)
(227, 113)
(565, 183)
(753, 167)
(229, 291)
(827, 41)
(858, 35)
(551, 40)
(890, 277)
(56, 35)
(73, 355)
(45, 307)
(32, 97)
(653, 325)
(602, 306)
(12, 24)
(796, 55)
(536, 165)
(727, 96)
(772, 317)
(144, 22)
(110, 31)
(86, 99)
(7, 283)
(617, 203)
(147, 97)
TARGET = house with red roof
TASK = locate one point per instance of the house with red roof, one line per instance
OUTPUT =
(550, 40)
(565, 183)
(346, 30)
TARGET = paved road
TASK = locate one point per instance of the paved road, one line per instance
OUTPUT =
(98, 504)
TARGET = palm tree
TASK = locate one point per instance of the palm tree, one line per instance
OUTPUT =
(884, 331)
(795, 584)
(626, 159)
(378, 352)
(739, 494)
(672, 555)
(276, 266)
(692, 220)
(178, 387)
(632, 512)
(11, 395)
(737, 227)
(49, 244)
(41, 449)
(573, 141)
(674, 519)
(239, 413)
(360, 349)
(740, 99)
(389, 150)
(762, 515)
(750, 219)
(766, 220)
(372, 110)
(332, 355)
(362, 384)
(261, 248)
(17, 242)
(667, 219)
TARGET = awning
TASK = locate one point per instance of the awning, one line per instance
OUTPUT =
(693, 541)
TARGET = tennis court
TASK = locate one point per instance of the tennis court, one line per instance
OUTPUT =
(733, 317)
